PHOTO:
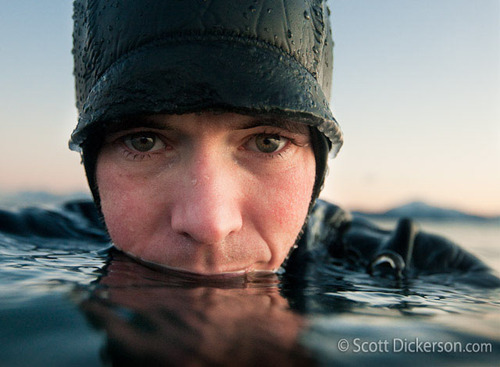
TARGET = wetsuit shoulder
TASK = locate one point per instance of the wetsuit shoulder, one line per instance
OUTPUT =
(403, 252)
(325, 224)
(75, 219)
(408, 252)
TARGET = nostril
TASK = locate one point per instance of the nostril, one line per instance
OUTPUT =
(208, 231)
(185, 235)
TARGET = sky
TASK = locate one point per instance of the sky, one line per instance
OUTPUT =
(416, 90)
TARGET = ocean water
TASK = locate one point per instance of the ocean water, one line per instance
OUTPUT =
(73, 303)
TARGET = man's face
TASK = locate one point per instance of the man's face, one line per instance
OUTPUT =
(206, 193)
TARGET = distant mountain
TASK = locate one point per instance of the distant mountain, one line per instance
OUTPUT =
(34, 198)
(421, 210)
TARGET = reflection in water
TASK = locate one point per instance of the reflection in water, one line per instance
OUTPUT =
(158, 318)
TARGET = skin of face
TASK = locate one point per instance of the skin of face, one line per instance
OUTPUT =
(206, 193)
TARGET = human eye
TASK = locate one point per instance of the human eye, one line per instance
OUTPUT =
(267, 143)
(143, 142)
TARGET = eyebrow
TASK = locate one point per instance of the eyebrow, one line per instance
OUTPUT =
(133, 122)
(292, 126)
(149, 121)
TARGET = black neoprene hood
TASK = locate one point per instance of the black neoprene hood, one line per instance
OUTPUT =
(179, 56)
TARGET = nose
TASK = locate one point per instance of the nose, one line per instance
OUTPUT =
(207, 208)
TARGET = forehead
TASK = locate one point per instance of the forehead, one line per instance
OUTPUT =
(205, 120)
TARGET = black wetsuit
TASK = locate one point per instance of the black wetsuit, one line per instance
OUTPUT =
(332, 235)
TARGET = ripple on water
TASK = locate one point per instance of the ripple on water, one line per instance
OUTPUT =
(337, 303)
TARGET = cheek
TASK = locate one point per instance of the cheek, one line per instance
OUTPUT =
(281, 202)
(126, 201)
(289, 201)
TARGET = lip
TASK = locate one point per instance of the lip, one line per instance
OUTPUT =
(175, 271)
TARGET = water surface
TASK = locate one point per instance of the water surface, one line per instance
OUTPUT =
(72, 302)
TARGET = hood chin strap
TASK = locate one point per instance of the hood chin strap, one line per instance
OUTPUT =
(90, 151)
(321, 146)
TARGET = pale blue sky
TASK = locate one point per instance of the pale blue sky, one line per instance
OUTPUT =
(416, 90)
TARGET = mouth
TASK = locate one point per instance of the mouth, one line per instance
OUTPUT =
(244, 275)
